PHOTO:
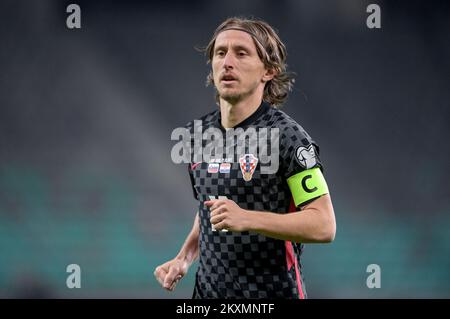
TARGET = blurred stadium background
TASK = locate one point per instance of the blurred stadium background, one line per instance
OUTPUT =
(86, 116)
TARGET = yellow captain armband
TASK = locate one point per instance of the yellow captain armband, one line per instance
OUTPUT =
(307, 185)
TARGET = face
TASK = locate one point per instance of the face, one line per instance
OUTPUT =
(238, 71)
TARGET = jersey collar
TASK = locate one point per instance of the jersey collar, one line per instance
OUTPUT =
(263, 108)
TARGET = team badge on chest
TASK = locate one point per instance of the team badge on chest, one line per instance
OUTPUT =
(248, 164)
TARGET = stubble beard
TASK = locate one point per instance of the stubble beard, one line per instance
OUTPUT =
(235, 97)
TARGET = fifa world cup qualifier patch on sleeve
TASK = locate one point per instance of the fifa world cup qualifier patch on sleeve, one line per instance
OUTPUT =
(307, 185)
(306, 156)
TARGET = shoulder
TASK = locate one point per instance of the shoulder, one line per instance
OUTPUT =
(297, 148)
(291, 132)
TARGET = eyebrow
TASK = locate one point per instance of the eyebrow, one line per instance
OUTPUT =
(237, 47)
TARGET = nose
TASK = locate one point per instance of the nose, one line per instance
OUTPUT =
(228, 61)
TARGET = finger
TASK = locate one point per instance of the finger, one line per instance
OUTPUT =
(217, 211)
(209, 203)
(160, 270)
(223, 225)
(213, 204)
(217, 218)
(160, 273)
(218, 206)
(175, 282)
(173, 273)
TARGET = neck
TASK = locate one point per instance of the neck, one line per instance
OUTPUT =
(234, 113)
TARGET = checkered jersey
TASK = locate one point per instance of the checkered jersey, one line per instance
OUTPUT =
(247, 264)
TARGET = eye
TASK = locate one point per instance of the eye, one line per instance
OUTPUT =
(220, 53)
(242, 53)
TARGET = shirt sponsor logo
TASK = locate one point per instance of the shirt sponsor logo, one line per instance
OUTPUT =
(221, 160)
(213, 168)
(209, 144)
(194, 165)
(225, 168)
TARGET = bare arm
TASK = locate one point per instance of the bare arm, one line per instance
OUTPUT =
(189, 251)
(315, 223)
(169, 273)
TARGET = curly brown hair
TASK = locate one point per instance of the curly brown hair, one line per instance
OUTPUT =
(271, 51)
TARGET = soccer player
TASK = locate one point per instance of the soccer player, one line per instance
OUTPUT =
(251, 225)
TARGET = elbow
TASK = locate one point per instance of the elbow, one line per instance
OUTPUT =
(328, 237)
(328, 233)
(328, 228)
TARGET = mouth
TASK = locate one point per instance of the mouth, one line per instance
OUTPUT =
(228, 78)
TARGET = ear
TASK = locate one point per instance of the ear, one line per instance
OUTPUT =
(268, 75)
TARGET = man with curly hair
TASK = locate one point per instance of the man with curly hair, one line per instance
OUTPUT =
(251, 224)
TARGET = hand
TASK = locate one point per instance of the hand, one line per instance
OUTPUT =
(226, 214)
(170, 273)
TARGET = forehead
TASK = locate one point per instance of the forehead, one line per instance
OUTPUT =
(235, 38)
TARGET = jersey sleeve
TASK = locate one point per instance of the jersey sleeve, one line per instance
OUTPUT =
(301, 165)
(191, 178)
(190, 127)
